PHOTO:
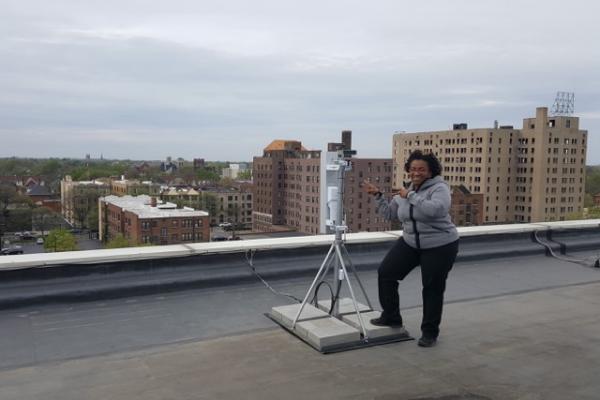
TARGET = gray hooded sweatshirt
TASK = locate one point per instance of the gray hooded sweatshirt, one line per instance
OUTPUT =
(424, 214)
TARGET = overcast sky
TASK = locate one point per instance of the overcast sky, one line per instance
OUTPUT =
(221, 79)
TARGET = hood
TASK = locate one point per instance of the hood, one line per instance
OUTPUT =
(430, 182)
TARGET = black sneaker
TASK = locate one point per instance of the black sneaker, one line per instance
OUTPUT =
(427, 341)
(382, 321)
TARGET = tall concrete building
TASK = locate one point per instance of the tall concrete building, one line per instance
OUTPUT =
(532, 174)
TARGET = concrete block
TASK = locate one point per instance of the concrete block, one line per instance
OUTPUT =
(345, 305)
(372, 330)
(285, 314)
(325, 332)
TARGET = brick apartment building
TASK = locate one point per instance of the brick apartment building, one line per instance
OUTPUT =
(144, 220)
(532, 174)
(286, 192)
(232, 204)
(289, 189)
(134, 187)
(466, 208)
(359, 207)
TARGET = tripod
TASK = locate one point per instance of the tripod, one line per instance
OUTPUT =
(336, 253)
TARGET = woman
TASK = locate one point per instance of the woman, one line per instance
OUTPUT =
(429, 239)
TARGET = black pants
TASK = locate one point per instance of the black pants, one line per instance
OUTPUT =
(435, 264)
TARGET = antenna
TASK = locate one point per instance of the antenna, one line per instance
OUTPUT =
(564, 104)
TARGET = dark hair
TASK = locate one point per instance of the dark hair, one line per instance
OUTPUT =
(434, 164)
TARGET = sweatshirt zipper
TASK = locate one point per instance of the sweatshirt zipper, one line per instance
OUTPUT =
(414, 224)
(414, 221)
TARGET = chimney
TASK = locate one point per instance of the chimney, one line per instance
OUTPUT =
(347, 140)
(496, 124)
(152, 201)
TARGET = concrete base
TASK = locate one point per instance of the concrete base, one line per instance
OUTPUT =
(285, 314)
(345, 306)
(328, 334)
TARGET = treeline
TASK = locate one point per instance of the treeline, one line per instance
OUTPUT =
(54, 169)
(592, 180)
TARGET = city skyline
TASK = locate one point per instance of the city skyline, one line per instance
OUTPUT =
(138, 81)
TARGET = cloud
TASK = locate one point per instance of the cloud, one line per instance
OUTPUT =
(221, 80)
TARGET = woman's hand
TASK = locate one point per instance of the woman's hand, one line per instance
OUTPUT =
(370, 188)
(402, 192)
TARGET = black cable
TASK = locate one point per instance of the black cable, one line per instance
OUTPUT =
(592, 262)
(335, 298)
(315, 299)
(250, 262)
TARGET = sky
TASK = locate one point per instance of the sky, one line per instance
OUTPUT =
(221, 79)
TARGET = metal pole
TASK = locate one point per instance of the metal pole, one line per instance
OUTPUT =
(360, 321)
(356, 276)
(313, 285)
(338, 236)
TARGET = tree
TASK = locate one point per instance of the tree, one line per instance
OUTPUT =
(49, 168)
(9, 196)
(13, 216)
(7, 193)
(593, 213)
(592, 180)
(588, 200)
(43, 219)
(209, 203)
(245, 175)
(233, 213)
(206, 174)
(233, 216)
(18, 219)
(85, 203)
(60, 240)
(92, 219)
(574, 216)
(117, 242)
(226, 182)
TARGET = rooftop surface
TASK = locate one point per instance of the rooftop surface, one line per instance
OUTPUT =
(515, 327)
(141, 206)
(536, 345)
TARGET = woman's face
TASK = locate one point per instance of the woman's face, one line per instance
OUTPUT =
(419, 172)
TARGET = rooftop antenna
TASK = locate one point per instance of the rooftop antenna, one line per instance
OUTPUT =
(564, 104)
(346, 326)
(338, 254)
